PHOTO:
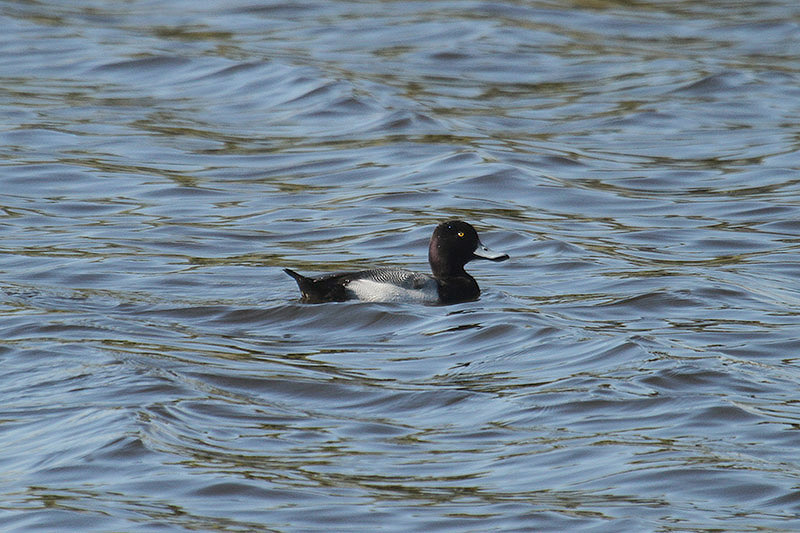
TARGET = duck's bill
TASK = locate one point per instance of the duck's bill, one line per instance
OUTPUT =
(482, 252)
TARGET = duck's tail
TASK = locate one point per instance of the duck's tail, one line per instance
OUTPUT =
(328, 288)
(302, 281)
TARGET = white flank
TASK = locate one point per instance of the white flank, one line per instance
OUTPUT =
(369, 290)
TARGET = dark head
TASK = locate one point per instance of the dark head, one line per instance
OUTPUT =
(455, 243)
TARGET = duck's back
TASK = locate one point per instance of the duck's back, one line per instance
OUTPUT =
(376, 285)
(393, 285)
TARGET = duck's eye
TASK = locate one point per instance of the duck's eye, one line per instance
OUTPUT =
(460, 234)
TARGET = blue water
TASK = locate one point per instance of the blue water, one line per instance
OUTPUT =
(633, 367)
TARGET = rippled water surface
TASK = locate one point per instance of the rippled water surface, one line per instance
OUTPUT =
(634, 367)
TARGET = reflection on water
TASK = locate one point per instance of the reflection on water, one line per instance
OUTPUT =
(633, 367)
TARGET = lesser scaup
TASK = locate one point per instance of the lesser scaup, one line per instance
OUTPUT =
(453, 245)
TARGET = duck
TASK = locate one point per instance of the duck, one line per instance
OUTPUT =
(453, 244)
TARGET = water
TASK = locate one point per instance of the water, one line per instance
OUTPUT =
(634, 367)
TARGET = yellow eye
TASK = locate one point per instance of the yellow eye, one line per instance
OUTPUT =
(460, 234)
